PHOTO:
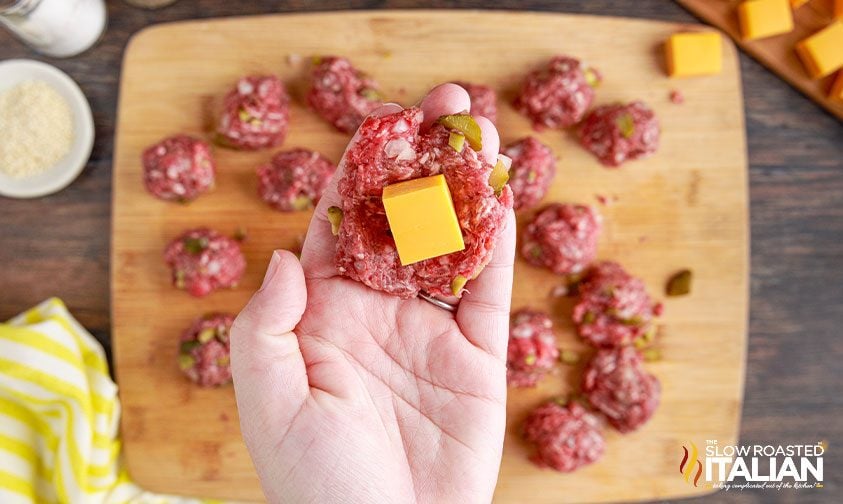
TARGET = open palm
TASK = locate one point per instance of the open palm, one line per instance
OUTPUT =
(347, 394)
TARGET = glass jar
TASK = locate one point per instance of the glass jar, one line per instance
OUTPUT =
(59, 28)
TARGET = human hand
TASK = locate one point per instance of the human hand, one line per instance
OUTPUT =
(347, 394)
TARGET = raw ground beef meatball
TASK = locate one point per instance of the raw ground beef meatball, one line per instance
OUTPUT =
(532, 350)
(532, 171)
(562, 238)
(565, 437)
(203, 260)
(613, 308)
(295, 179)
(256, 114)
(204, 350)
(620, 132)
(557, 94)
(616, 384)
(342, 94)
(391, 149)
(483, 100)
(178, 168)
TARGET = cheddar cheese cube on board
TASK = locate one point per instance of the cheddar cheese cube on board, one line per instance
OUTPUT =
(764, 18)
(797, 3)
(836, 92)
(838, 9)
(691, 54)
(822, 52)
(422, 219)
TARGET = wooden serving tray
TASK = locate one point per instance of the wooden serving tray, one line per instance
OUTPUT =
(776, 53)
(684, 207)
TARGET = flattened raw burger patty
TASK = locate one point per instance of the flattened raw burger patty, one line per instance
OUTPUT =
(557, 94)
(565, 437)
(616, 384)
(295, 179)
(204, 352)
(203, 260)
(562, 238)
(178, 168)
(391, 149)
(532, 350)
(620, 132)
(256, 114)
(342, 94)
(484, 100)
(613, 308)
(532, 171)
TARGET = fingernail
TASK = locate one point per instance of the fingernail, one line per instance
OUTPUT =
(271, 269)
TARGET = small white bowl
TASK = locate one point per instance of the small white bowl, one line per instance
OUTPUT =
(59, 176)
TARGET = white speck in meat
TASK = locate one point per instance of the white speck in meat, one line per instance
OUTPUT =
(245, 87)
(214, 267)
(401, 127)
(400, 150)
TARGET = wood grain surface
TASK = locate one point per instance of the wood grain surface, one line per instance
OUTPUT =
(59, 245)
(684, 207)
(777, 52)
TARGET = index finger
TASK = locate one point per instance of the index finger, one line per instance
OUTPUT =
(444, 99)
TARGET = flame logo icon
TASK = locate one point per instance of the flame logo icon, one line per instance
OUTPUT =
(689, 463)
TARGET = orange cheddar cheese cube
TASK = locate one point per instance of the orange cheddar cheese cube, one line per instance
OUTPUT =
(422, 219)
(764, 18)
(836, 92)
(797, 3)
(838, 9)
(694, 54)
(822, 52)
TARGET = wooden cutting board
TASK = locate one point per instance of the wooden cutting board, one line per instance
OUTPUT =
(776, 53)
(684, 207)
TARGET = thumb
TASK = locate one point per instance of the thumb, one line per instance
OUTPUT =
(269, 375)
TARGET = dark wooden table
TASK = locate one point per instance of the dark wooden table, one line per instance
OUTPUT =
(58, 245)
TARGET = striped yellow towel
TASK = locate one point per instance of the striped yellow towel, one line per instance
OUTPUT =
(59, 415)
